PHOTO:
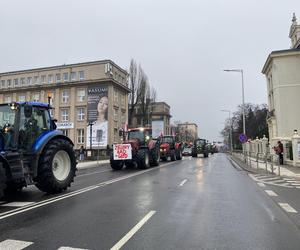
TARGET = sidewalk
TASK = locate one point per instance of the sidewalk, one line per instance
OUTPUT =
(91, 164)
(285, 170)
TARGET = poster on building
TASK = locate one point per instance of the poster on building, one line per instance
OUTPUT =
(157, 128)
(97, 116)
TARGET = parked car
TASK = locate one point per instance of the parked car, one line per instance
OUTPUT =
(187, 151)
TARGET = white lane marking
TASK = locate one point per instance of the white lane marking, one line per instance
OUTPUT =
(108, 170)
(261, 184)
(287, 208)
(252, 177)
(14, 244)
(71, 248)
(271, 193)
(292, 181)
(269, 179)
(74, 193)
(127, 237)
(17, 204)
(182, 183)
(295, 184)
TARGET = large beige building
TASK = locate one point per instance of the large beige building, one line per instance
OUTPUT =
(91, 96)
(283, 84)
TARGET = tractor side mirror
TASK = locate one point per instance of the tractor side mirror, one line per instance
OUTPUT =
(27, 111)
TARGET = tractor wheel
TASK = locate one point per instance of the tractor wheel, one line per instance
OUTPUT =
(115, 164)
(143, 159)
(129, 164)
(57, 166)
(155, 157)
(173, 155)
(179, 155)
(2, 180)
(163, 158)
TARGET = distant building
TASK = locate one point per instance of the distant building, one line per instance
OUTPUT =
(76, 91)
(187, 131)
(158, 114)
(283, 85)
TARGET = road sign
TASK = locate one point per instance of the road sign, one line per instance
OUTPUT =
(243, 138)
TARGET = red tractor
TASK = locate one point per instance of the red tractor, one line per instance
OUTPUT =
(138, 148)
(170, 148)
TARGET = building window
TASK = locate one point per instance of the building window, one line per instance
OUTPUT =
(116, 137)
(80, 95)
(29, 80)
(58, 77)
(65, 96)
(65, 132)
(7, 99)
(81, 75)
(22, 98)
(22, 81)
(50, 78)
(3, 83)
(36, 97)
(116, 99)
(80, 114)
(9, 83)
(36, 80)
(80, 136)
(66, 77)
(73, 76)
(16, 82)
(122, 100)
(123, 118)
(64, 115)
(43, 79)
(116, 115)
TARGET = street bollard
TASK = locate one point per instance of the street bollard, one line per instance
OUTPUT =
(266, 161)
(257, 161)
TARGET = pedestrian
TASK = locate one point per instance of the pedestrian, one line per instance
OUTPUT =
(81, 153)
(279, 152)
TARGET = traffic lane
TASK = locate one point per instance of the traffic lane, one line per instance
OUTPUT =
(221, 208)
(84, 178)
(290, 196)
(96, 219)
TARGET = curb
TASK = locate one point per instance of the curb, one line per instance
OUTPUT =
(92, 164)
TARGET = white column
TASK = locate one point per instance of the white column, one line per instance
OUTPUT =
(296, 147)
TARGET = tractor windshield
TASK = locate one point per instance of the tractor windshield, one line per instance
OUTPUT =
(7, 124)
(142, 135)
(167, 139)
(200, 142)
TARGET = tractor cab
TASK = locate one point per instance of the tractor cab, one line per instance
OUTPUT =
(21, 124)
(142, 135)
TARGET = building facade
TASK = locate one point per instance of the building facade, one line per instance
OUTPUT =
(188, 132)
(86, 97)
(158, 116)
(283, 85)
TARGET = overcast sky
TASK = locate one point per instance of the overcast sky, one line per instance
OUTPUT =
(182, 45)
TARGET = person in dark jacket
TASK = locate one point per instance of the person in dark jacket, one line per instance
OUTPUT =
(279, 152)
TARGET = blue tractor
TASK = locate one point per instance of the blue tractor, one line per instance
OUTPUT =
(32, 151)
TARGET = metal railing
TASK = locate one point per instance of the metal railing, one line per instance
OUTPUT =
(253, 160)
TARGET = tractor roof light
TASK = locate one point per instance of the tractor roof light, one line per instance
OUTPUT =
(142, 129)
(14, 106)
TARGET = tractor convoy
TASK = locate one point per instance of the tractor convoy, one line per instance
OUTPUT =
(32, 151)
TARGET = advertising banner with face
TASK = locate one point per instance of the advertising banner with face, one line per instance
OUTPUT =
(97, 115)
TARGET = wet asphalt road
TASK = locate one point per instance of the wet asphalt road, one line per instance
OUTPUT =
(190, 204)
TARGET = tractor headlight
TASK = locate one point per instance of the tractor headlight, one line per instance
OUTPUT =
(147, 138)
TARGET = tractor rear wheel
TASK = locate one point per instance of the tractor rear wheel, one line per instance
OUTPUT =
(2, 180)
(173, 155)
(179, 155)
(116, 164)
(155, 157)
(143, 159)
(57, 166)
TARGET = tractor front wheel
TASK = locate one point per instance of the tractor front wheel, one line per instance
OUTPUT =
(173, 155)
(179, 155)
(57, 166)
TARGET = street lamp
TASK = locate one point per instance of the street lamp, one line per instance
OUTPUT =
(230, 125)
(243, 95)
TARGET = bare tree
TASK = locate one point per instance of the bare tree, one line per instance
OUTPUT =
(133, 85)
